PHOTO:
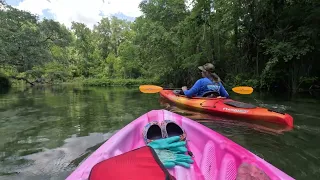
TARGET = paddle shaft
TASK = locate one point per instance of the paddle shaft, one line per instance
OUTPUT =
(156, 89)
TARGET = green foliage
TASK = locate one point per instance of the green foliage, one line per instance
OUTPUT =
(55, 71)
(8, 70)
(307, 82)
(242, 80)
(118, 82)
(263, 44)
(21, 42)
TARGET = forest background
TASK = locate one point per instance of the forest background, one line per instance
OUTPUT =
(270, 45)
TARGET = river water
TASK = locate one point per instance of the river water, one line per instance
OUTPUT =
(46, 132)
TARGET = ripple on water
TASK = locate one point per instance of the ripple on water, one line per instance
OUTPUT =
(52, 162)
(46, 134)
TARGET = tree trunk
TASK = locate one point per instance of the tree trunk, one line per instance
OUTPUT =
(295, 71)
(257, 61)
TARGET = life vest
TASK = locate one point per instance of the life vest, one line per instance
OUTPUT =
(212, 90)
(141, 163)
(214, 87)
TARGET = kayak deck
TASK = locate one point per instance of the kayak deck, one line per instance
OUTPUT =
(215, 156)
(229, 107)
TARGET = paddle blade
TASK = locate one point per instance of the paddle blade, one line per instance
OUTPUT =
(242, 90)
(150, 88)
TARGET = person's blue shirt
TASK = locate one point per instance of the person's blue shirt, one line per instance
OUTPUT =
(204, 85)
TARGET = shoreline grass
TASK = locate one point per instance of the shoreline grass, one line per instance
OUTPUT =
(117, 82)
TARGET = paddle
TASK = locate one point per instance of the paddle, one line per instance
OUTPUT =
(156, 89)
(243, 90)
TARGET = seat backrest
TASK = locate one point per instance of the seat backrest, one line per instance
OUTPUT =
(211, 94)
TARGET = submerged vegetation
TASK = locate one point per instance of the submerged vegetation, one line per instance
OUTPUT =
(270, 44)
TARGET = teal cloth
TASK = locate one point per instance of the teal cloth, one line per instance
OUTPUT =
(171, 151)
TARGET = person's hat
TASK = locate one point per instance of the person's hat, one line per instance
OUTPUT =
(208, 67)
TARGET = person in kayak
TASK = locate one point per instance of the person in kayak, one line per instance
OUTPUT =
(210, 82)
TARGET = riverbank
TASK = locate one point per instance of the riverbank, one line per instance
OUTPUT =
(117, 82)
(102, 82)
(105, 82)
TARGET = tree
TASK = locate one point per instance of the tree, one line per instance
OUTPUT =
(21, 42)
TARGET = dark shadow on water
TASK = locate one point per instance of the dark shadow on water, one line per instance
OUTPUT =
(4, 90)
(75, 163)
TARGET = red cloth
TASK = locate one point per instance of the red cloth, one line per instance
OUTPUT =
(142, 163)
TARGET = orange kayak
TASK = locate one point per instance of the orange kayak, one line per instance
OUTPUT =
(229, 107)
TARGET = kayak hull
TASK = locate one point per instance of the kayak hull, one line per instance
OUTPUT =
(220, 106)
(215, 156)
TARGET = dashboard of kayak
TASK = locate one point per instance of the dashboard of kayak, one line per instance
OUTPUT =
(272, 110)
(231, 103)
(238, 104)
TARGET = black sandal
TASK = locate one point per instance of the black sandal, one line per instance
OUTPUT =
(152, 131)
(171, 128)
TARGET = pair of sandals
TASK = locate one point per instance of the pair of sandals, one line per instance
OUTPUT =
(167, 128)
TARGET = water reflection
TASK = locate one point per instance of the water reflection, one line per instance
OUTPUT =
(47, 131)
(37, 124)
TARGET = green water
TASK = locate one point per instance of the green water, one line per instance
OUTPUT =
(46, 132)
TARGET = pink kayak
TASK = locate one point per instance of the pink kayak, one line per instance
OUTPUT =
(215, 157)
